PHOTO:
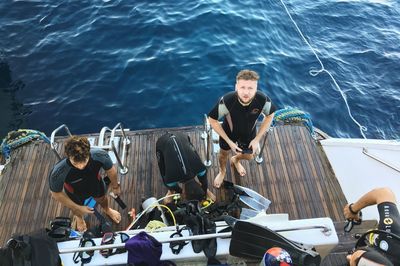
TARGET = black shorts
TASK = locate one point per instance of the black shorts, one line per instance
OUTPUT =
(97, 190)
(242, 141)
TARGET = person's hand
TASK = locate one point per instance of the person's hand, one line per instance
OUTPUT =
(116, 190)
(234, 147)
(254, 145)
(81, 210)
(349, 215)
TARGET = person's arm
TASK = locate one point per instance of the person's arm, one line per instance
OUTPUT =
(66, 201)
(114, 185)
(265, 124)
(375, 196)
(221, 132)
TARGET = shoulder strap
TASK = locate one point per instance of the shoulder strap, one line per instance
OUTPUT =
(177, 246)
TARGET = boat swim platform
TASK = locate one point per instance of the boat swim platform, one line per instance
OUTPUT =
(295, 175)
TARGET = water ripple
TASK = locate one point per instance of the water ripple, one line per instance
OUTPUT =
(162, 64)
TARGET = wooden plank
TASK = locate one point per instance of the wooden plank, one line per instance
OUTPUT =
(310, 178)
(25, 182)
(28, 205)
(294, 172)
(14, 194)
(294, 168)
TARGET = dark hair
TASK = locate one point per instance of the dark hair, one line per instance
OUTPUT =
(77, 149)
(193, 190)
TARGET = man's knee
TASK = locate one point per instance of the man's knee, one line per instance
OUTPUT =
(223, 153)
(242, 156)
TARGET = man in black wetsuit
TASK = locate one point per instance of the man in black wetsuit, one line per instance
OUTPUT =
(77, 178)
(240, 110)
(383, 249)
(179, 162)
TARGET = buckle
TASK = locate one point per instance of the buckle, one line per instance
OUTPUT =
(12, 243)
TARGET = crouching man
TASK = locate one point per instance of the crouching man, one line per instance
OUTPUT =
(77, 178)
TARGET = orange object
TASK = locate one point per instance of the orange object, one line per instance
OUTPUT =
(132, 213)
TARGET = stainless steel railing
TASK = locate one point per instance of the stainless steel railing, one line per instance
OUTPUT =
(54, 144)
(102, 143)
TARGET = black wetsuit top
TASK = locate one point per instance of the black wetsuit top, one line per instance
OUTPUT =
(81, 184)
(177, 159)
(240, 121)
(389, 220)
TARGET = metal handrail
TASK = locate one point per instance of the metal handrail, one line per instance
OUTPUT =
(206, 135)
(259, 158)
(111, 145)
(365, 151)
(327, 231)
(121, 245)
(53, 134)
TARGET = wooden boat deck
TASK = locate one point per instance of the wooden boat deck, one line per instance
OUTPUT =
(295, 175)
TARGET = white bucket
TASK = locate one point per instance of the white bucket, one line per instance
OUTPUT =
(149, 202)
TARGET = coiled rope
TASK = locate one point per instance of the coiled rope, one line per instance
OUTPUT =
(314, 72)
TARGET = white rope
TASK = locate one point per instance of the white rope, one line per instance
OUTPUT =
(314, 72)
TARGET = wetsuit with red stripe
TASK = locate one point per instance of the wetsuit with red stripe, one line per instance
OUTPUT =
(81, 184)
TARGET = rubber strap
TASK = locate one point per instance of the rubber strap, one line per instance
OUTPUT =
(177, 246)
(351, 210)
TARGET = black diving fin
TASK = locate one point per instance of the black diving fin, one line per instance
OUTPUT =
(248, 196)
(251, 241)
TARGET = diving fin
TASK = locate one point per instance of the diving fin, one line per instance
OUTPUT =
(261, 202)
(252, 203)
(251, 241)
(248, 213)
(229, 185)
(248, 196)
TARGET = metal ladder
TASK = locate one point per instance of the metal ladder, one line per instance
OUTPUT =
(111, 145)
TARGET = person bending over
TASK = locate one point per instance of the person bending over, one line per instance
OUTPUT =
(77, 178)
(240, 110)
(179, 162)
(383, 249)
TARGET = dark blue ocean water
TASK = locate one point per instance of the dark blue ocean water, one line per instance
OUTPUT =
(165, 63)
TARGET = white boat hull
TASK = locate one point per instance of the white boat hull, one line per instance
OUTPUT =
(361, 165)
(324, 242)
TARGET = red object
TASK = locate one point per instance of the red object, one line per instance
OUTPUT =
(132, 213)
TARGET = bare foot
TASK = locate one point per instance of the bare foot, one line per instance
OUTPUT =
(80, 224)
(219, 179)
(114, 215)
(239, 167)
(211, 195)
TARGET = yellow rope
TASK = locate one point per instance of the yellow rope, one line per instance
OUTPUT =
(154, 225)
